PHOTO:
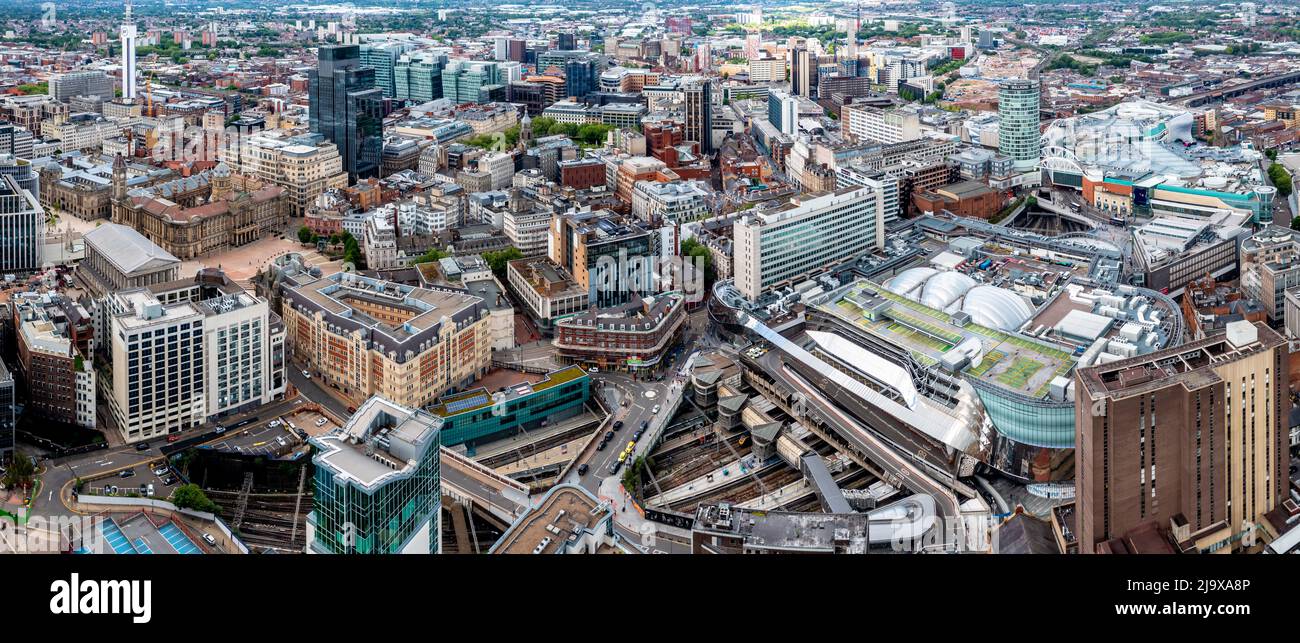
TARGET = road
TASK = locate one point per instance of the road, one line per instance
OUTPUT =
(58, 476)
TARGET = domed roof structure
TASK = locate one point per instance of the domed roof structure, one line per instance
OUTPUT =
(996, 308)
(943, 289)
(908, 280)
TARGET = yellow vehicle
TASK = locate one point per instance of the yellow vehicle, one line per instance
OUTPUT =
(622, 457)
(630, 445)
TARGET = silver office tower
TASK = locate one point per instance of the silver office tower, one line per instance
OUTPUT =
(22, 219)
(348, 109)
(1018, 135)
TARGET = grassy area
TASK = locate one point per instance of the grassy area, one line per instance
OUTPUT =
(987, 363)
(1017, 376)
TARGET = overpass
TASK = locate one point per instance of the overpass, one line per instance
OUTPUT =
(1233, 91)
(473, 484)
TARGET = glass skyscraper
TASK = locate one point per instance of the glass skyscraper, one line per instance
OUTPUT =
(348, 108)
(1018, 135)
(378, 483)
(22, 219)
(418, 76)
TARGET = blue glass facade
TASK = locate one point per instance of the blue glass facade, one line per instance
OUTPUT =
(562, 394)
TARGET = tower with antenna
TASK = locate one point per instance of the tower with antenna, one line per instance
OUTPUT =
(128, 56)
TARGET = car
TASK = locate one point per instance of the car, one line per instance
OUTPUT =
(593, 370)
(352, 409)
(582, 470)
(169, 481)
(306, 373)
(637, 435)
(302, 434)
(618, 425)
(220, 429)
(655, 410)
(320, 422)
(126, 473)
(622, 456)
(143, 446)
(645, 424)
(272, 424)
(601, 446)
(631, 445)
(161, 472)
(173, 437)
(207, 538)
(609, 435)
(613, 467)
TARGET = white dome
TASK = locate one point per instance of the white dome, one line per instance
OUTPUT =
(911, 279)
(996, 308)
(945, 288)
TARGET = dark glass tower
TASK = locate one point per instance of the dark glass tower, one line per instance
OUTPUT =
(581, 76)
(348, 109)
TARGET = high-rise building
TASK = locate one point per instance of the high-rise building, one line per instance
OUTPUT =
(16, 141)
(867, 124)
(7, 418)
(463, 80)
(382, 57)
(581, 76)
(566, 41)
(803, 66)
(783, 111)
(65, 87)
(348, 109)
(699, 113)
(22, 219)
(418, 76)
(1018, 135)
(796, 241)
(185, 351)
(1192, 439)
(378, 483)
(54, 338)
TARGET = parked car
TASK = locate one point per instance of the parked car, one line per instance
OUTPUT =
(655, 410)
(582, 470)
(220, 429)
(143, 446)
(618, 424)
(320, 422)
(306, 373)
(173, 437)
(207, 538)
(609, 435)
(126, 473)
(601, 446)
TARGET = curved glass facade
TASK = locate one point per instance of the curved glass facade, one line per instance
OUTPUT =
(1034, 422)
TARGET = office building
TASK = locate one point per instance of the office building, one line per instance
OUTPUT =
(186, 351)
(803, 66)
(581, 76)
(1018, 135)
(609, 258)
(367, 336)
(1192, 439)
(382, 57)
(378, 484)
(628, 337)
(65, 87)
(783, 111)
(463, 81)
(479, 415)
(417, 76)
(55, 365)
(699, 114)
(347, 108)
(8, 417)
(868, 124)
(794, 241)
(303, 166)
(22, 218)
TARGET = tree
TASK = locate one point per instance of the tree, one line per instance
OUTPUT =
(1295, 223)
(21, 473)
(432, 255)
(497, 260)
(305, 235)
(190, 496)
(1281, 179)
